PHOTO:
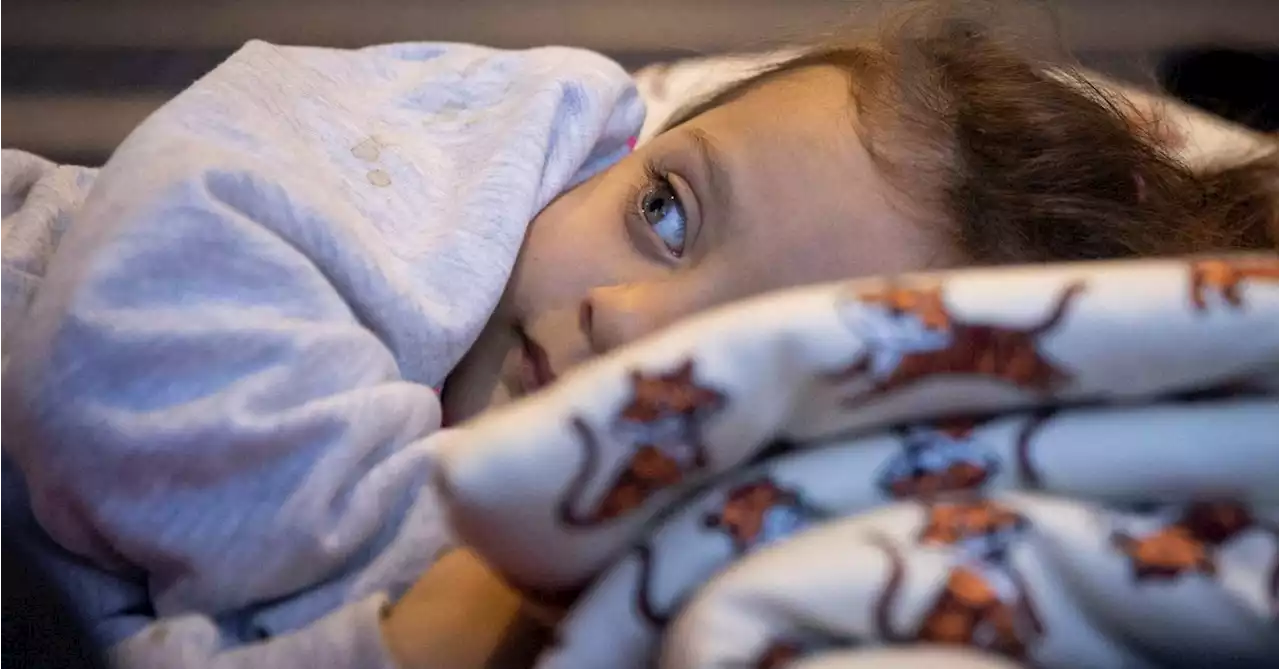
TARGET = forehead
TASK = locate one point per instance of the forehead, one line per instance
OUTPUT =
(807, 201)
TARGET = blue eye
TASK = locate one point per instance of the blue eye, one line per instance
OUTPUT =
(663, 212)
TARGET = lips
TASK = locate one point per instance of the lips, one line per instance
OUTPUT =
(535, 369)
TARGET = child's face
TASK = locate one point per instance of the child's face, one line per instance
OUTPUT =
(769, 190)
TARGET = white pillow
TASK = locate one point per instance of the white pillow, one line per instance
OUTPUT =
(1200, 138)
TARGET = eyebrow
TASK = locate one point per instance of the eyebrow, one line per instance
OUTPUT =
(721, 97)
(713, 163)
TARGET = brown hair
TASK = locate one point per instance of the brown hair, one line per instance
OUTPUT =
(1026, 161)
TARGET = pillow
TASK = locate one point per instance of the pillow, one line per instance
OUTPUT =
(1197, 137)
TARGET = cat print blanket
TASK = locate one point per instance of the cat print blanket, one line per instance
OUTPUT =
(1060, 466)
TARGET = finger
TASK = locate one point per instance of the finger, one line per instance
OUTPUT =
(458, 614)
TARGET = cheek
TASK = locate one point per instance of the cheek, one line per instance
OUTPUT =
(627, 312)
(562, 252)
(799, 252)
(577, 243)
(554, 274)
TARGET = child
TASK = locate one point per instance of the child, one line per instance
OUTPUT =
(221, 395)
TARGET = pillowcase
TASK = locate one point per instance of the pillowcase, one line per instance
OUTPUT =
(1197, 137)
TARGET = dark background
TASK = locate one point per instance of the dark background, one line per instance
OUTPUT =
(79, 74)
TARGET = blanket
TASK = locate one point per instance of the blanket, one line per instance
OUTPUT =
(222, 347)
(1053, 466)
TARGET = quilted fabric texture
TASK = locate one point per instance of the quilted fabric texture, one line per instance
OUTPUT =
(1057, 466)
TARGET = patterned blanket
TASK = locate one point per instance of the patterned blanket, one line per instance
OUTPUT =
(1058, 466)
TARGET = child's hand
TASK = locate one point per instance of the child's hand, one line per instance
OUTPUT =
(459, 615)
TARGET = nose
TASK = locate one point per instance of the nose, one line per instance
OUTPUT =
(616, 315)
